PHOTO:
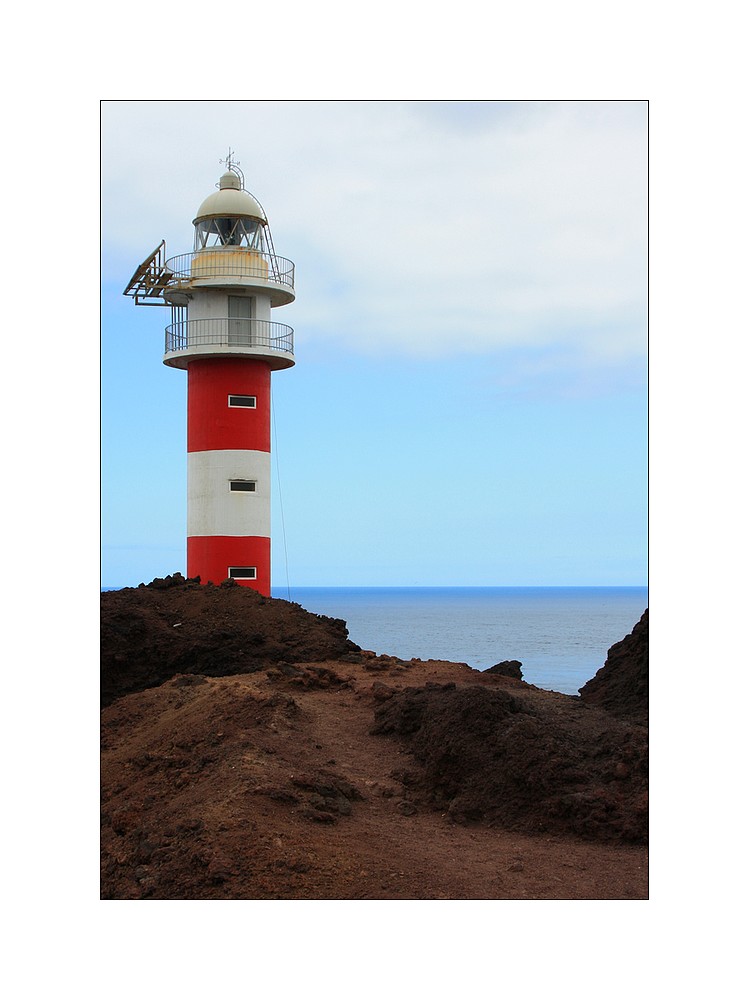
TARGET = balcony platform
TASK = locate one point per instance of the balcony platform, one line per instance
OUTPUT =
(230, 267)
(188, 340)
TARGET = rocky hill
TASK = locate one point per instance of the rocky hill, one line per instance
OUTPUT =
(250, 750)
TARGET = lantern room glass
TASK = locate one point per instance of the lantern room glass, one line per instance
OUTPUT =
(228, 231)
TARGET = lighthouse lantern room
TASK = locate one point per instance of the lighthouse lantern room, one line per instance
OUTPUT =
(221, 332)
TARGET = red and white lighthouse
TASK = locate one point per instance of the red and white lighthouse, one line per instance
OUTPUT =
(221, 296)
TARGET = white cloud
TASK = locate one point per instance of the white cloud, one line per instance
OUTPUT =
(416, 227)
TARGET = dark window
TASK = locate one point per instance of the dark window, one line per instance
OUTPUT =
(243, 401)
(243, 572)
(242, 485)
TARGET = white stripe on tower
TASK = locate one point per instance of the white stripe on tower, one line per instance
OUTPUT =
(214, 507)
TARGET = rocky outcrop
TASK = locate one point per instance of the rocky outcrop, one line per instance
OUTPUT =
(621, 685)
(176, 626)
(507, 668)
(522, 760)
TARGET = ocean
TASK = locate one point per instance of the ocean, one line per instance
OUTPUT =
(560, 634)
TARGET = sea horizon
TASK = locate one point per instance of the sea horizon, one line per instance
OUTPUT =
(560, 634)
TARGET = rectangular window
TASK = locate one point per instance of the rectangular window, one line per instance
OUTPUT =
(243, 572)
(242, 485)
(250, 401)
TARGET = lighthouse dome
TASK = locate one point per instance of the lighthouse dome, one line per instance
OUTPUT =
(230, 201)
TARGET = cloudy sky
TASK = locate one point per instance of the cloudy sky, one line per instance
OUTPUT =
(469, 401)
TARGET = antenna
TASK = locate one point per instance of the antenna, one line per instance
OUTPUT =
(233, 165)
(150, 279)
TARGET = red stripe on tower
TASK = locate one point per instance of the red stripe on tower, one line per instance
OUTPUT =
(214, 553)
(228, 404)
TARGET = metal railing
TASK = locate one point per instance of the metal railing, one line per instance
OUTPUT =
(229, 263)
(225, 332)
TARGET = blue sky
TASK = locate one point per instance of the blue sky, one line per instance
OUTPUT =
(469, 401)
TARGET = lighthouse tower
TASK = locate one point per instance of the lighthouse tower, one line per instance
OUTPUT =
(221, 332)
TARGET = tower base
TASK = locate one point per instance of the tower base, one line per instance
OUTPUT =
(215, 557)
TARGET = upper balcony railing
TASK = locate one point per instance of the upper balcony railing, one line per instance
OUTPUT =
(241, 334)
(231, 264)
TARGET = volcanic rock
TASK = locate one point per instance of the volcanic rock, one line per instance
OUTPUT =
(621, 685)
(172, 626)
(522, 762)
(507, 668)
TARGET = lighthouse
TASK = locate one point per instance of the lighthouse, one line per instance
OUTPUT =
(221, 297)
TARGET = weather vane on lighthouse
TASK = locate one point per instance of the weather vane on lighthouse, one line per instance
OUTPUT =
(232, 165)
(228, 163)
(221, 332)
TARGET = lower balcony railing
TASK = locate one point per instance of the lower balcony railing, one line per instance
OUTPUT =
(240, 333)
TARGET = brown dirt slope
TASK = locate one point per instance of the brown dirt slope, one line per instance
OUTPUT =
(352, 777)
(621, 685)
